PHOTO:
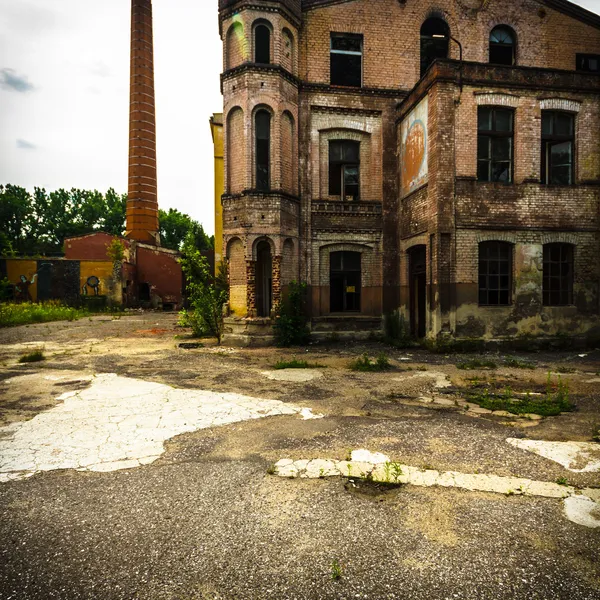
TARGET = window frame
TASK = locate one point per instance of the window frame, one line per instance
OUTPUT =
(492, 135)
(512, 46)
(337, 53)
(565, 282)
(553, 139)
(343, 165)
(586, 57)
(262, 181)
(256, 26)
(499, 260)
(436, 40)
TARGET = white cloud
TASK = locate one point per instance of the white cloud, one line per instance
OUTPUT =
(25, 145)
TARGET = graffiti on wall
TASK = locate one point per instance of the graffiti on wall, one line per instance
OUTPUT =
(93, 283)
(414, 148)
(22, 293)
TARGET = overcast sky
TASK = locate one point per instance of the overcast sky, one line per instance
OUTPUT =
(64, 77)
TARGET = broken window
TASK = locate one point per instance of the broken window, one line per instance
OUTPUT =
(588, 62)
(558, 275)
(344, 169)
(262, 44)
(263, 149)
(435, 38)
(558, 130)
(495, 273)
(502, 45)
(346, 59)
(494, 144)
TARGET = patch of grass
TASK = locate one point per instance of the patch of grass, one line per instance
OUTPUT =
(517, 363)
(35, 356)
(13, 314)
(297, 364)
(562, 481)
(476, 363)
(565, 369)
(553, 403)
(336, 570)
(271, 470)
(364, 363)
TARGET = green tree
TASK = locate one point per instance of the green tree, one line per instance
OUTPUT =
(175, 227)
(16, 218)
(115, 208)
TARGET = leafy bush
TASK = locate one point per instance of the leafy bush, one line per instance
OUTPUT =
(6, 290)
(12, 314)
(207, 296)
(290, 325)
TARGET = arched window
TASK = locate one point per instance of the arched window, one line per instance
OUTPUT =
(502, 45)
(262, 44)
(262, 127)
(435, 39)
(557, 285)
(495, 273)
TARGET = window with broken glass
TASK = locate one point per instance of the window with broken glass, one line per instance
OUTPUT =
(346, 59)
(558, 275)
(589, 63)
(344, 169)
(502, 46)
(495, 273)
(495, 144)
(558, 133)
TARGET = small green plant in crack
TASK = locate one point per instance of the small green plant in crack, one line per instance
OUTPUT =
(35, 356)
(562, 481)
(271, 470)
(321, 473)
(336, 570)
(364, 363)
(510, 492)
(396, 471)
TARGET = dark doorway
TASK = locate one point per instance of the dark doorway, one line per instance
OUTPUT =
(417, 267)
(345, 281)
(264, 279)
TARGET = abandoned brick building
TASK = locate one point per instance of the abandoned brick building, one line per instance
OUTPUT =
(437, 157)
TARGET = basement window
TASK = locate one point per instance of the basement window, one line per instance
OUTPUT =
(589, 63)
(502, 46)
(494, 144)
(344, 169)
(558, 275)
(346, 59)
(263, 149)
(557, 147)
(495, 273)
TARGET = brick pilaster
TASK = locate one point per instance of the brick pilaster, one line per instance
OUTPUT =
(276, 282)
(251, 287)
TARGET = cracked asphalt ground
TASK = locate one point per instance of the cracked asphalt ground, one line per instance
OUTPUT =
(206, 520)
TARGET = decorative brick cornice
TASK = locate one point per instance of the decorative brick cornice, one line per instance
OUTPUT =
(290, 9)
(257, 193)
(342, 110)
(495, 99)
(325, 88)
(560, 104)
(346, 208)
(250, 67)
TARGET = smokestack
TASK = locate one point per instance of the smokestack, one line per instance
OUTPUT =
(142, 202)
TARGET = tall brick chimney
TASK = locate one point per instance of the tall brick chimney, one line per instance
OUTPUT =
(142, 203)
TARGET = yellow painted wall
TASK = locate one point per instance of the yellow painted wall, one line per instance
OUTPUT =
(16, 268)
(103, 270)
(216, 126)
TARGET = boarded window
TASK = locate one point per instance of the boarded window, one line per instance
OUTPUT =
(502, 45)
(344, 169)
(495, 144)
(346, 59)
(558, 275)
(435, 38)
(263, 149)
(262, 44)
(495, 273)
(558, 129)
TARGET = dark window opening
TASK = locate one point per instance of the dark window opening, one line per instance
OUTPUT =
(495, 273)
(417, 264)
(264, 279)
(345, 281)
(502, 46)
(346, 59)
(262, 44)
(558, 275)
(344, 169)
(495, 144)
(263, 149)
(589, 63)
(558, 131)
(435, 40)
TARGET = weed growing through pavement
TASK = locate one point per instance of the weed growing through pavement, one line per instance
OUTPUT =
(35, 356)
(271, 470)
(364, 363)
(336, 570)
(562, 481)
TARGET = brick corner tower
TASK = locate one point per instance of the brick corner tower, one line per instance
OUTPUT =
(142, 203)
